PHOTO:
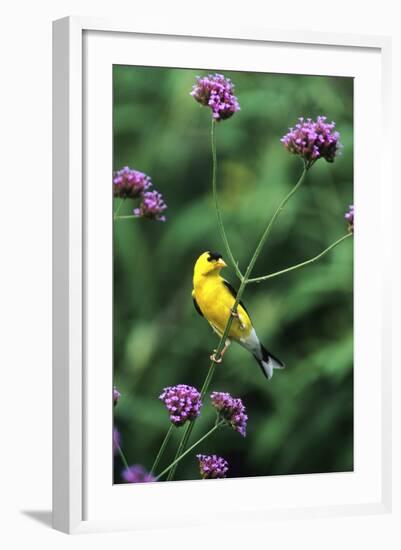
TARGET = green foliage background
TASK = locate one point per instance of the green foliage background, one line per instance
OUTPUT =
(302, 420)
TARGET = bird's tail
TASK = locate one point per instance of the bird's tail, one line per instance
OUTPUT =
(268, 362)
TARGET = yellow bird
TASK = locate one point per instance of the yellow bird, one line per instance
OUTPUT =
(214, 299)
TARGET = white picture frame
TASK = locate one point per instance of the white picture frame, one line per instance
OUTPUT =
(73, 487)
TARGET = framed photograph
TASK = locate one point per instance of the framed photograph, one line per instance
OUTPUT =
(220, 327)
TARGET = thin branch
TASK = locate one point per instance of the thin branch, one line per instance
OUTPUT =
(162, 448)
(125, 217)
(122, 456)
(302, 264)
(176, 460)
(118, 208)
(220, 224)
(272, 220)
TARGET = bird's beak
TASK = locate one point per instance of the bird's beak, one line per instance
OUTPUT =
(221, 263)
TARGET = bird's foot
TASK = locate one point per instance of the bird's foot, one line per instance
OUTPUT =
(235, 314)
(216, 359)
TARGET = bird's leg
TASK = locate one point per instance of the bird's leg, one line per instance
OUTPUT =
(235, 314)
(214, 358)
(226, 345)
(223, 351)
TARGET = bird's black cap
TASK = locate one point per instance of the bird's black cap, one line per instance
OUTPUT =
(214, 256)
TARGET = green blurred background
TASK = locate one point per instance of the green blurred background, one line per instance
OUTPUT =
(302, 420)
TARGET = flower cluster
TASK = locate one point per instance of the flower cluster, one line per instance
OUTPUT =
(130, 184)
(212, 466)
(230, 409)
(349, 216)
(313, 140)
(183, 403)
(216, 92)
(151, 207)
(137, 474)
(116, 396)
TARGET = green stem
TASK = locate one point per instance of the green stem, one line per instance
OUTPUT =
(125, 217)
(176, 460)
(181, 448)
(205, 387)
(216, 204)
(190, 425)
(162, 448)
(120, 452)
(302, 264)
(272, 220)
(118, 208)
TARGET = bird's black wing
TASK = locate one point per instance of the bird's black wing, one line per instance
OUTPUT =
(198, 309)
(234, 294)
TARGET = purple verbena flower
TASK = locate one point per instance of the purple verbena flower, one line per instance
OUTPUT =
(230, 409)
(349, 216)
(183, 403)
(313, 140)
(151, 207)
(137, 474)
(116, 396)
(212, 466)
(130, 184)
(116, 440)
(216, 92)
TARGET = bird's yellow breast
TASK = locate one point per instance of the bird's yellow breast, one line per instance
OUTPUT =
(215, 301)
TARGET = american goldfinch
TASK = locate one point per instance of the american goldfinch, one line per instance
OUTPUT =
(214, 299)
